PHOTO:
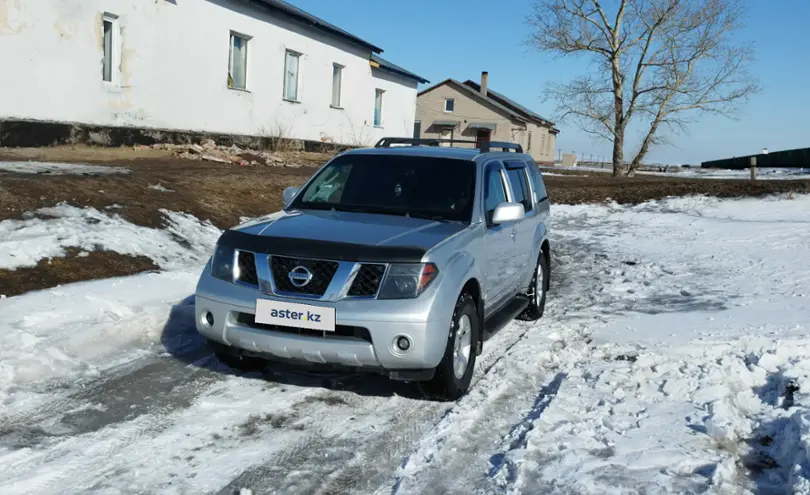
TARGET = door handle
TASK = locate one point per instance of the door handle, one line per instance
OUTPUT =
(513, 234)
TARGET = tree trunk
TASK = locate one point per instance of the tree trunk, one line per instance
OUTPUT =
(645, 148)
(618, 118)
(618, 153)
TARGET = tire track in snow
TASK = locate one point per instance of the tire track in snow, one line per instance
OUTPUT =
(457, 451)
(139, 388)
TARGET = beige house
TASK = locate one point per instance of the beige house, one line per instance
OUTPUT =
(469, 110)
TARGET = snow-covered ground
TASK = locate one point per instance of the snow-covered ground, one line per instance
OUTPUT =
(48, 232)
(54, 168)
(673, 358)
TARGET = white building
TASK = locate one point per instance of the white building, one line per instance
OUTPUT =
(232, 67)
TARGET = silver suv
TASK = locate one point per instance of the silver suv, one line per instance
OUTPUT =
(402, 258)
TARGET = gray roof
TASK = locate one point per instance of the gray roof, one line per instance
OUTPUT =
(511, 103)
(386, 65)
(292, 12)
(503, 108)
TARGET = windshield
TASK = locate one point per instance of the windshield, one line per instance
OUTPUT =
(436, 188)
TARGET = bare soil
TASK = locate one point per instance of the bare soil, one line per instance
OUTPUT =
(222, 193)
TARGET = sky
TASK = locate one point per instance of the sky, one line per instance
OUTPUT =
(440, 39)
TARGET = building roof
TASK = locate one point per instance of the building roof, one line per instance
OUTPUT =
(510, 107)
(290, 11)
(293, 12)
(508, 102)
(475, 94)
(388, 66)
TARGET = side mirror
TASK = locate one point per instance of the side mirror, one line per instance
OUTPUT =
(289, 194)
(508, 212)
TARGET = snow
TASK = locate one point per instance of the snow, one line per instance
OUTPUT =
(48, 232)
(53, 168)
(672, 358)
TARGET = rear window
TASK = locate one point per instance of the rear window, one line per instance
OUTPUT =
(441, 188)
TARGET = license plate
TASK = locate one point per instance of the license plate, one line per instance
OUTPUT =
(295, 315)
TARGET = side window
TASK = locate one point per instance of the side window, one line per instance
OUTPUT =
(537, 179)
(520, 187)
(494, 193)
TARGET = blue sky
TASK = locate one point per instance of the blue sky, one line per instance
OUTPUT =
(438, 39)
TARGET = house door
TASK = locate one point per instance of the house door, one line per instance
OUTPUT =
(447, 133)
(482, 136)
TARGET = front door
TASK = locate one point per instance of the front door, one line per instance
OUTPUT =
(499, 244)
(482, 136)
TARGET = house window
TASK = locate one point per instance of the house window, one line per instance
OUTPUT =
(237, 62)
(291, 64)
(108, 25)
(417, 129)
(378, 100)
(529, 145)
(449, 105)
(337, 79)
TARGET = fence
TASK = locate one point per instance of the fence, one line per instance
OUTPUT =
(798, 158)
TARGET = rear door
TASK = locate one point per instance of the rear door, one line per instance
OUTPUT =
(500, 247)
(521, 192)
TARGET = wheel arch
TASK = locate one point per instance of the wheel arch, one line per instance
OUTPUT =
(473, 287)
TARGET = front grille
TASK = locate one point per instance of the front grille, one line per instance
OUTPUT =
(247, 268)
(341, 331)
(367, 280)
(322, 273)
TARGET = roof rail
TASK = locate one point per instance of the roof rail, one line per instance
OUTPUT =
(485, 146)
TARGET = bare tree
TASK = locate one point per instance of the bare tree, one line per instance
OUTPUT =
(668, 61)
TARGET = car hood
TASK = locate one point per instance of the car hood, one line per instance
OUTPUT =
(353, 228)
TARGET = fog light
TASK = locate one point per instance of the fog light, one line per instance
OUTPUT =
(208, 319)
(403, 344)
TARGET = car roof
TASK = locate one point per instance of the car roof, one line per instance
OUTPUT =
(436, 152)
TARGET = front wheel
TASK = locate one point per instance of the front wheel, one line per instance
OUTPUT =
(454, 373)
(537, 291)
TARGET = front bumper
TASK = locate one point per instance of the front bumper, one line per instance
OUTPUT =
(366, 329)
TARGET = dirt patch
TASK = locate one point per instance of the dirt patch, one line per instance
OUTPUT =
(72, 268)
(600, 187)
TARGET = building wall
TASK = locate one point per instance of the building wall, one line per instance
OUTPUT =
(543, 143)
(467, 109)
(172, 71)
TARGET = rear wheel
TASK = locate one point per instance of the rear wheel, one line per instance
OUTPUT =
(454, 373)
(537, 291)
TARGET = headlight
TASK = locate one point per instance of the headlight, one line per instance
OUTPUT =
(222, 263)
(407, 280)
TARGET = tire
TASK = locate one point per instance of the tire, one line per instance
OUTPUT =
(537, 301)
(234, 359)
(450, 383)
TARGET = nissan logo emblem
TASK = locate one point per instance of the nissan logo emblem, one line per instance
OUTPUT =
(300, 276)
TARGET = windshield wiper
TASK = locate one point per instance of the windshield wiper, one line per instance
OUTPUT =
(427, 216)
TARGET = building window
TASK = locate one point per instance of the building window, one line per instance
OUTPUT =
(529, 146)
(291, 60)
(337, 80)
(237, 62)
(449, 105)
(109, 24)
(378, 100)
(417, 129)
